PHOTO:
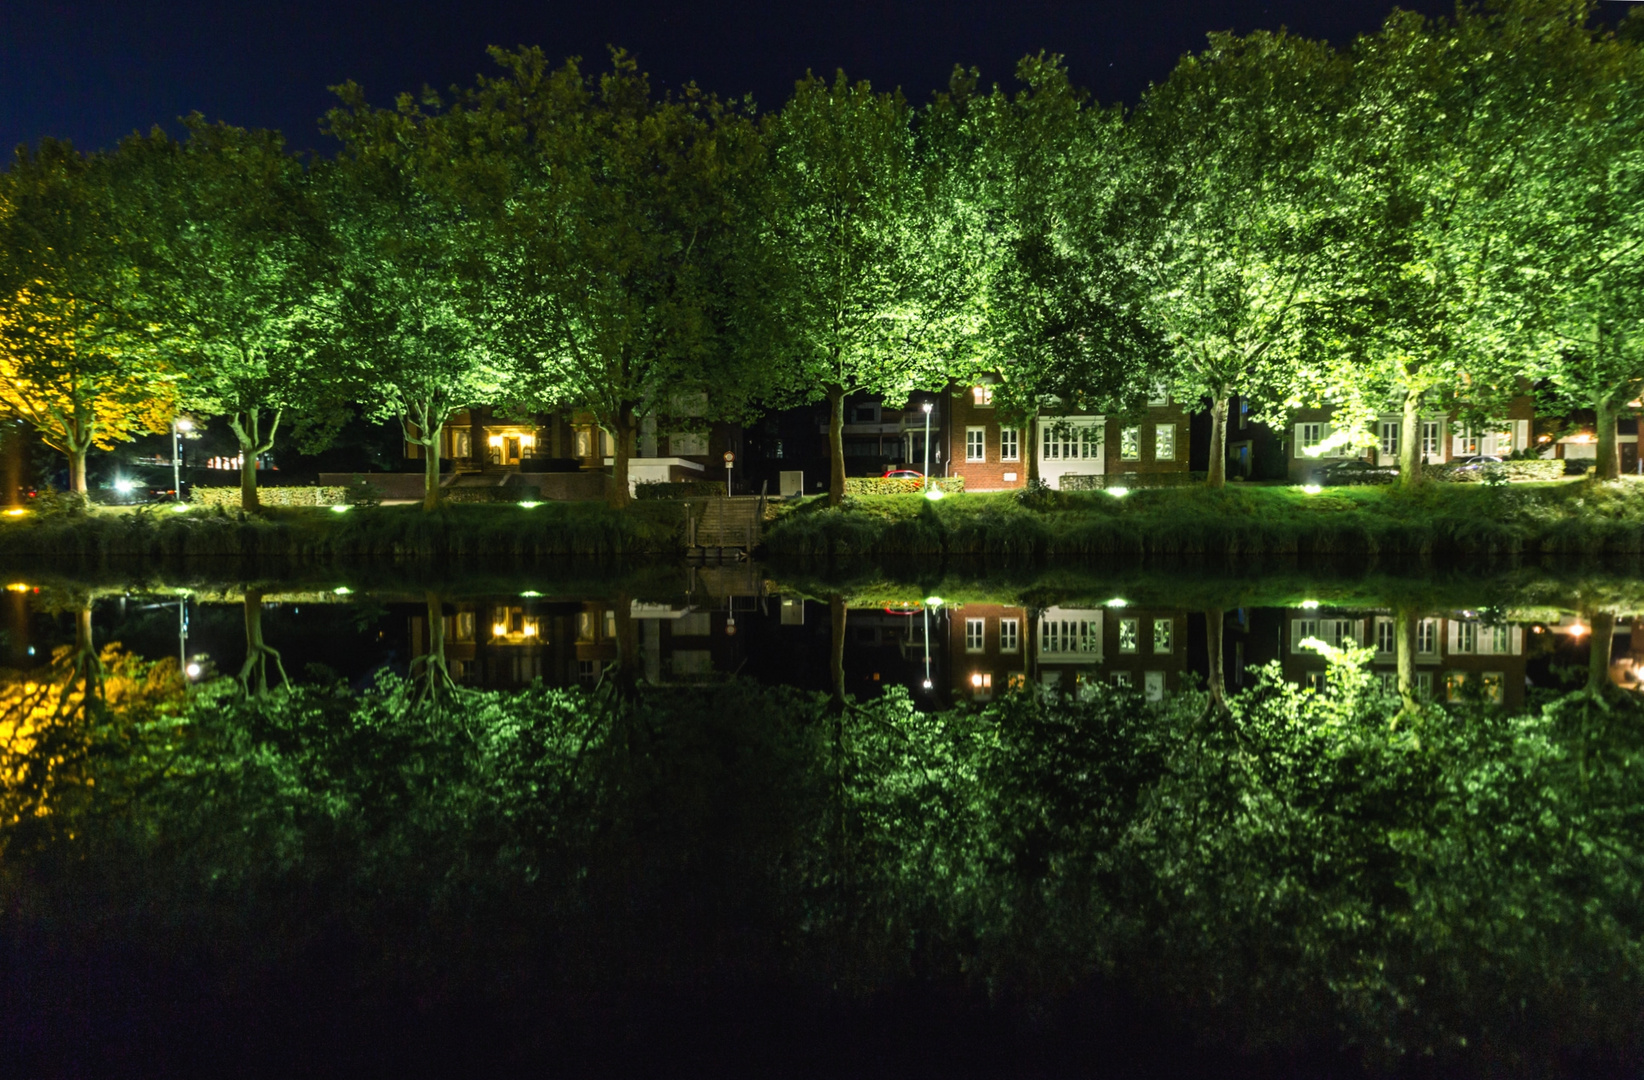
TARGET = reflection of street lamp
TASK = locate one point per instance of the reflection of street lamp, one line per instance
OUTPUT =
(179, 424)
(928, 406)
(927, 618)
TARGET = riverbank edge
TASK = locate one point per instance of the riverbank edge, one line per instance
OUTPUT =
(1444, 522)
(1526, 522)
(468, 533)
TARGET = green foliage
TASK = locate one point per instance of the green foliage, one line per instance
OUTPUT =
(295, 495)
(901, 485)
(1301, 874)
(678, 489)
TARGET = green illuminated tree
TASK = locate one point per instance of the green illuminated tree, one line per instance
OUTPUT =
(1049, 189)
(1235, 147)
(79, 357)
(243, 263)
(874, 287)
(408, 200)
(609, 253)
(1454, 149)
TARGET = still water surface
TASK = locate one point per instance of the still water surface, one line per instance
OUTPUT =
(898, 822)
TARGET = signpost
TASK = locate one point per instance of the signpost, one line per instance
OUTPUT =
(730, 463)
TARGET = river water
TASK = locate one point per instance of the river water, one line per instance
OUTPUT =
(894, 820)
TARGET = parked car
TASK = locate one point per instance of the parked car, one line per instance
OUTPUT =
(1478, 461)
(1359, 472)
(903, 474)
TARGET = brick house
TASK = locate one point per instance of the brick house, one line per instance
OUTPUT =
(1444, 438)
(993, 648)
(993, 455)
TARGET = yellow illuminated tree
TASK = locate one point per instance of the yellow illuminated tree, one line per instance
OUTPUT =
(78, 359)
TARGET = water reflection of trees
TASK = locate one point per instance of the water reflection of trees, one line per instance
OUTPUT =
(1289, 869)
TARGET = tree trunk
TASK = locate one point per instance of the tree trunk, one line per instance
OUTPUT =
(247, 425)
(1609, 447)
(836, 650)
(1404, 629)
(617, 495)
(77, 468)
(1598, 656)
(1218, 440)
(1217, 681)
(431, 469)
(1411, 473)
(836, 444)
(1031, 434)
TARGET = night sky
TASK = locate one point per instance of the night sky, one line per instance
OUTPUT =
(94, 71)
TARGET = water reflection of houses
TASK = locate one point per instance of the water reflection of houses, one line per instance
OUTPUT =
(508, 643)
(992, 648)
(1457, 654)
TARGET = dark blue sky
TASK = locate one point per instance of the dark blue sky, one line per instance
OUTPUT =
(92, 70)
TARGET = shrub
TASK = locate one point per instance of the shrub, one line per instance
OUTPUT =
(678, 489)
(507, 494)
(362, 492)
(1100, 482)
(900, 485)
(271, 496)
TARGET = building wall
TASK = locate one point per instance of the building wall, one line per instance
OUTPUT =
(1455, 442)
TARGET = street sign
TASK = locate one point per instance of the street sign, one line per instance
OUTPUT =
(729, 457)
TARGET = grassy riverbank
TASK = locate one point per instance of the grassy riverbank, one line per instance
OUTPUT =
(303, 534)
(1441, 521)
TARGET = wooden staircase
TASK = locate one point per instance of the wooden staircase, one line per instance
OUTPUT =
(724, 528)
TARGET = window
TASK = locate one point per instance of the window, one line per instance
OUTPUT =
(1424, 685)
(1464, 637)
(585, 444)
(981, 683)
(464, 629)
(1153, 685)
(1010, 635)
(1129, 630)
(1301, 631)
(1130, 443)
(1162, 629)
(1455, 684)
(974, 629)
(1390, 437)
(1386, 636)
(1493, 683)
(1429, 438)
(1164, 442)
(1427, 637)
(1314, 681)
(610, 624)
(1069, 634)
(1072, 442)
(1466, 442)
(982, 395)
(587, 670)
(1121, 679)
(1010, 446)
(1158, 393)
(865, 414)
(1337, 633)
(1311, 435)
(462, 443)
(975, 444)
(1244, 414)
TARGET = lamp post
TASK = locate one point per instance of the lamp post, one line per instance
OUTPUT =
(928, 406)
(179, 424)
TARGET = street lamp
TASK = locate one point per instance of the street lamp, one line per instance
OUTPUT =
(928, 406)
(179, 424)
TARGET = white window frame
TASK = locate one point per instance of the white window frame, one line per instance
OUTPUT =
(1427, 637)
(1010, 635)
(1010, 444)
(1164, 635)
(1130, 634)
(976, 444)
(1387, 636)
(1075, 442)
(1130, 443)
(1432, 438)
(982, 396)
(1309, 434)
(1164, 442)
(1390, 433)
(1153, 685)
(975, 635)
(1464, 443)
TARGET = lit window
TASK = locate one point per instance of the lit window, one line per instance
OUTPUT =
(982, 395)
(1311, 435)
(1493, 683)
(1390, 437)
(1072, 442)
(1010, 635)
(1130, 444)
(1161, 635)
(610, 624)
(1009, 444)
(1455, 683)
(975, 444)
(1128, 633)
(1121, 679)
(1164, 442)
(973, 635)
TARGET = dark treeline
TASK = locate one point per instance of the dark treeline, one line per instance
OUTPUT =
(1299, 877)
(1441, 215)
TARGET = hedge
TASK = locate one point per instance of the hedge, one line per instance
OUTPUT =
(900, 485)
(506, 494)
(271, 496)
(1103, 481)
